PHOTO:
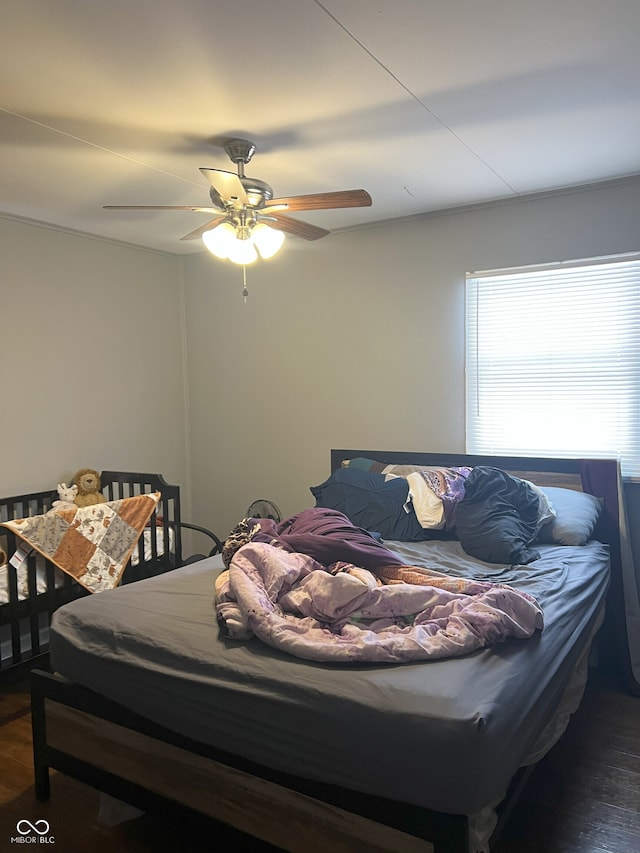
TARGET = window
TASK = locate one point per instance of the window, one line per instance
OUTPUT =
(553, 361)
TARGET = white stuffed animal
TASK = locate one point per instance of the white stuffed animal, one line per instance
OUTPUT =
(66, 496)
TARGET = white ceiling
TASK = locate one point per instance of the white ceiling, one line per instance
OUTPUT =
(427, 104)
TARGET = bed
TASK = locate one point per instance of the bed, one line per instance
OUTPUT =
(153, 704)
(30, 591)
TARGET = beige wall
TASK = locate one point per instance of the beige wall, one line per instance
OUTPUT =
(91, 354)
(357, 340)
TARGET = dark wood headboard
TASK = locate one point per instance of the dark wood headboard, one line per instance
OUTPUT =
(564, 473)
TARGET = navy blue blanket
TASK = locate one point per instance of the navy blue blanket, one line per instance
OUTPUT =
(497, 518)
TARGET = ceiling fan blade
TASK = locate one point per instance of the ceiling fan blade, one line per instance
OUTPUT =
(198, 232)
(324, 201)
(296, 227)
(162, 207)
(227, 185)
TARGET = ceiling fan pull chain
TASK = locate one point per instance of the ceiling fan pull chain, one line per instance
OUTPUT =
(245, 292)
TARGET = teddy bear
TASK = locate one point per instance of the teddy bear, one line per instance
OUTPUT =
(67, 497)
(88, 482)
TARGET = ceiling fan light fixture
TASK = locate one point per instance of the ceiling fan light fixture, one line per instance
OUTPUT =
(238, 243)
(242, 252)
(267, 240)
(219, 240)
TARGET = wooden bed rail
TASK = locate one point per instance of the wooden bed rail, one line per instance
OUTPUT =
(105, 745)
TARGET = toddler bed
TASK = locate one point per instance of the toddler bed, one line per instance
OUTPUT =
(32, 591)
(152, 703)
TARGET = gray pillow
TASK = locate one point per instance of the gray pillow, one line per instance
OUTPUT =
(576, 515)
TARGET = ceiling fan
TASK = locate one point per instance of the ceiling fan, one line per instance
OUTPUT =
(249, 220)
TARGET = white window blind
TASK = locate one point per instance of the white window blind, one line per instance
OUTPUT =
(553, 361)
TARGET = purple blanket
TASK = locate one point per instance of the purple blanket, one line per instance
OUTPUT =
(324, 534)
(342, 612)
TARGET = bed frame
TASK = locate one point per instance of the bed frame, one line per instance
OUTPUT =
(103, 744)
(24, 623)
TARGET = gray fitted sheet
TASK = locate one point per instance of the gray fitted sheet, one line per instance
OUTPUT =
(447, 734)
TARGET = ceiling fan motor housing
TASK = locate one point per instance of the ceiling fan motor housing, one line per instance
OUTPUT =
(258, 192)
(239, 150)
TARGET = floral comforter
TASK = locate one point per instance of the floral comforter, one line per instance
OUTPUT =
(340, 612)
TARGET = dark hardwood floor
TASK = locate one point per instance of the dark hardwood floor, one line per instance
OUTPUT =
(584, 797)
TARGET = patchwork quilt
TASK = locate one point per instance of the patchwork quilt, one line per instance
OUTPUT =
(92, 544)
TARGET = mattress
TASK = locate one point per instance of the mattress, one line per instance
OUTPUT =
(444, 734)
